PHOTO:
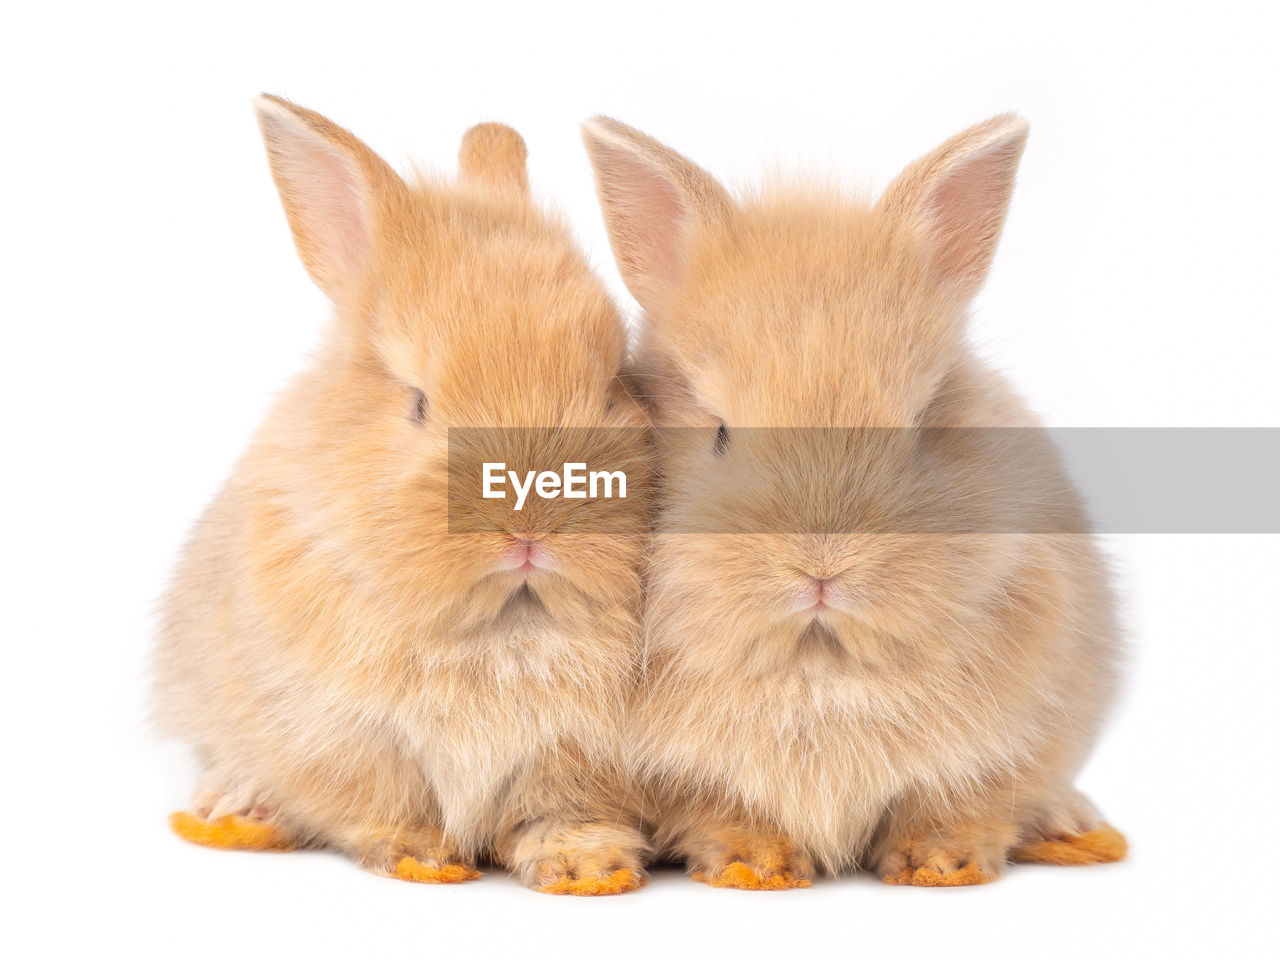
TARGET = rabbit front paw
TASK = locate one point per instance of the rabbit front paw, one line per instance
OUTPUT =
(746, 859)
(417, 855)
(943, 861)
(583, 860)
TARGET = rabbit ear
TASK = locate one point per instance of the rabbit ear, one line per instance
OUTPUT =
(653, 199)
(494, 154)
(959, 194)
(330, 184)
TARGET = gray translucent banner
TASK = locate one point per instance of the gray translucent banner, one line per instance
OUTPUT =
(534, 481)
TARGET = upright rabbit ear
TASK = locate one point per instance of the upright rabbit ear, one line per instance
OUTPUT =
(959, 194)
(331, 186)
(495, 155)
(653, 200)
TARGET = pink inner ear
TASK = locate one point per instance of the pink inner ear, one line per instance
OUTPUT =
(332, 199)
(648, 217)
(326, 198)
(967, 210)
(660, 219)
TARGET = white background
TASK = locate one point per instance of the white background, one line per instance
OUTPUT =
(153, 305)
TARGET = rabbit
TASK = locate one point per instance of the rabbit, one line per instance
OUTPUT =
(353, 671)
(831, 683)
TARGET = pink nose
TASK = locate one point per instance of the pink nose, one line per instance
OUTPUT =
(525, 555)
(815, 592)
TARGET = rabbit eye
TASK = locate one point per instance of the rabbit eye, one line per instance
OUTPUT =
(418, 406)
(721, 441)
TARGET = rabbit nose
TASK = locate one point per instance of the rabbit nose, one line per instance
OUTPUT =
(813, 596)
(813, 590)
(524, 555)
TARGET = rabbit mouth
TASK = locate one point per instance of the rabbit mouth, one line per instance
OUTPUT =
(821, 615)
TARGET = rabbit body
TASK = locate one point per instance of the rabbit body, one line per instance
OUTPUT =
(831, 679)
(351, 673)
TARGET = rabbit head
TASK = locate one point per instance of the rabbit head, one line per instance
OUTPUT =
(459, 305)
(838, 326)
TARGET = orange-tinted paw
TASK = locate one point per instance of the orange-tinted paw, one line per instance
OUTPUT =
(740, 876)
(232, 832)
(416, 854)
(1103, 845)
(589, 859)
(963, 856)
(967, 876)
(622, 880)
(594, 870)
(745, 860)
(413, 870)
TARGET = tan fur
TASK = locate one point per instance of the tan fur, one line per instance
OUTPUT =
(338, 659)
(494, 154)
(936, 717)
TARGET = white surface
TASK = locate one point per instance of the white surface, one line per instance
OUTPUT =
(154, 303)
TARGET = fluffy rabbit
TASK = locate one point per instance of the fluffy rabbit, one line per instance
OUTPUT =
(831, 681)
(351, 673)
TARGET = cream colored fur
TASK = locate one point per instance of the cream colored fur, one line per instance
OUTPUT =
(929, 723)
(348, 670)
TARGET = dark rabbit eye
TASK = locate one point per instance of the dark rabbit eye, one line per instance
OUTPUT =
(418, 406)
(722, 440)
